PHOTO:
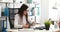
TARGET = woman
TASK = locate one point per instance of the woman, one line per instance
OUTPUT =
(21, 19)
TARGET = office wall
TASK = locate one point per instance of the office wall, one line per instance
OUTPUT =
(44, 10)
(7, 1)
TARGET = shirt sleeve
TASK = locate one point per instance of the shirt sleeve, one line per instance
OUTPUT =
(16, 25)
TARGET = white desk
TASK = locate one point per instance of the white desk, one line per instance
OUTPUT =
(32, 30)
(28, 30)
(52, 29)
(12, 30)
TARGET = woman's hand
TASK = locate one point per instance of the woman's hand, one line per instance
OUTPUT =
(26, 26)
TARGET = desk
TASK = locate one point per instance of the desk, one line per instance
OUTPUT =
(28, 30)
(12, 30)
(32, 30)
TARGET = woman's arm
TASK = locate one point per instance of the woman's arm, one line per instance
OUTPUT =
(16, 25)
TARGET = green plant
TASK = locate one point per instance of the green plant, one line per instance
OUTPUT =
(47, 22)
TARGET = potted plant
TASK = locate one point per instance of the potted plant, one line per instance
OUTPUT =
(47, 24)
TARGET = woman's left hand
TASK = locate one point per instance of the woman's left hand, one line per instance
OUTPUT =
(26, 26)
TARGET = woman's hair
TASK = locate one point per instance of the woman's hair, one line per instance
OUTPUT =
(22, 9)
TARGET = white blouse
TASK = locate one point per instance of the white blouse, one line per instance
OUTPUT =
(17, 21)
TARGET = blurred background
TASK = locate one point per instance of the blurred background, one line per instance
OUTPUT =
(38, 11)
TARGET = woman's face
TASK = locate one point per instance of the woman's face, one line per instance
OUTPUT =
(25, 12)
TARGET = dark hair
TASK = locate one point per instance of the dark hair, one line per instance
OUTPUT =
(22, 9)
